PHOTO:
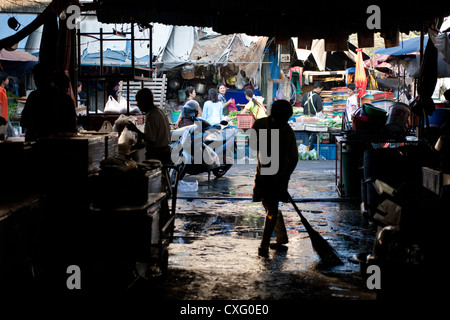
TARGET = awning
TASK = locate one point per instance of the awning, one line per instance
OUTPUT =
(406, 47)
(16, 56)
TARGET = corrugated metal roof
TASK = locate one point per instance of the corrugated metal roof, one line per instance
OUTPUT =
(272, 18)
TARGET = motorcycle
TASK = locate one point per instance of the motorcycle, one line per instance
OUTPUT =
(203, 147)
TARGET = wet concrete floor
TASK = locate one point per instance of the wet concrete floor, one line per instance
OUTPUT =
(214, 254)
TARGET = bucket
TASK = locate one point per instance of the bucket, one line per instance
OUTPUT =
(175, 115)
(398, 116)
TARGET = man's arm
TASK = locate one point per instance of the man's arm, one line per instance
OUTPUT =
(318, 102)
(132, 127)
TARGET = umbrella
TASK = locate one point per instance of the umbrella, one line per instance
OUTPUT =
(360, 75)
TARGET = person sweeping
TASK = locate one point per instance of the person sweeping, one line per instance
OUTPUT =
(277, 159)
(275, 140)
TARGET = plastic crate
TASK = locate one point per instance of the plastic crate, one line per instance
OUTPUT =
(328, 151)
(384, 96)
(245, 121)
(242, 137)
(242, 150)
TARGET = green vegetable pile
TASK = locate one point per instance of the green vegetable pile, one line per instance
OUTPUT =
(308, 155)
(297, 110)
(233, 114)
(335, 122)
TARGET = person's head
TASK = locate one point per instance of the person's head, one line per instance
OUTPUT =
(248, 94)
(351, 89)
(190, 93)
(221, 88)
(4, 79)
(42, 76)
(212, 95)
(144, 98)
(61, 81)
(191, 108)
(447, 95)
(281, 112)
(318, 87)
(79, 86)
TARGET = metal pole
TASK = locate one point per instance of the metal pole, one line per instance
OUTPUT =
(101, 51)
(132, 51)
(151, 49)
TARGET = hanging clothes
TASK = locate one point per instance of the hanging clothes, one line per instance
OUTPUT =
(295, 74)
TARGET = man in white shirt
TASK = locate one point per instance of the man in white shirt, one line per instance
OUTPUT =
(156, 133)
(352, 101)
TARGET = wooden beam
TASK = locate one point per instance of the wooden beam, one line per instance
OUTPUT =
(10, 41)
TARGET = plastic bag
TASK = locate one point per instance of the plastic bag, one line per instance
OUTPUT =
(122, 121)
(114, 106)
(184, 186)
(126, 139)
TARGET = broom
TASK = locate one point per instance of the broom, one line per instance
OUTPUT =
(326, 253)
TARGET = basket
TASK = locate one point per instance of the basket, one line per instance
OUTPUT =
(245, 121)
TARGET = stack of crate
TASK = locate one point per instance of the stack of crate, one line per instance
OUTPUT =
(327, 99)
(340, 96)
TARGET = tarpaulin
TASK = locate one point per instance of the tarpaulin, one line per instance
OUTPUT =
(423, 103)
(410, 46)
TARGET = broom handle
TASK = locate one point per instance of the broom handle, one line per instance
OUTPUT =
(302, 218)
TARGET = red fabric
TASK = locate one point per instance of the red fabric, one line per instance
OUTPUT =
(4, 103)
(360, 75)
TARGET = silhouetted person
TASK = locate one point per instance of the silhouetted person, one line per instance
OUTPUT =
(270, 188)
(49, 110)
(156, 134)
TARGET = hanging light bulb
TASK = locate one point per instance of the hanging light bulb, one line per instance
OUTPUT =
(63, 15)
(13, 23)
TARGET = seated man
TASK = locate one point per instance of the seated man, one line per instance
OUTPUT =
(156, 134)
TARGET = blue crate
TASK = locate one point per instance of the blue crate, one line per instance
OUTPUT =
(328, 151)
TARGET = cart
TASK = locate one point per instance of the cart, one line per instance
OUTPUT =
(130, 242)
